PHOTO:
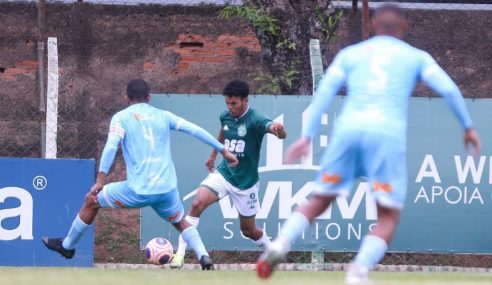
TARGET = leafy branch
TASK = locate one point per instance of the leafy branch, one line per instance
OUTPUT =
(327, 23)
(259, 18)
(272, 84)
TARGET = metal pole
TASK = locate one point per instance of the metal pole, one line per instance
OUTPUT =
(365, 19)
(41, 75)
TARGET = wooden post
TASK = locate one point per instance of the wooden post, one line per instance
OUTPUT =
(365, 19)
(354, 5)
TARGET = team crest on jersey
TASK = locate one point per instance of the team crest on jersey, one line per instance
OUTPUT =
(241, 131)
(225, 128)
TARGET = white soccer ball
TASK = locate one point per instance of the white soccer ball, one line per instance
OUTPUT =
(159, 251)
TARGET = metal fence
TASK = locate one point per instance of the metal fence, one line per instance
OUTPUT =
(425, 5)
(81, 131)
(410, 4)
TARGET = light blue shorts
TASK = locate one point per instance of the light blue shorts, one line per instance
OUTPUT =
(118, 195)
(379, 158)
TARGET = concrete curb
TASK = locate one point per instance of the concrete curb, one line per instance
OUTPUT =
(304, 267)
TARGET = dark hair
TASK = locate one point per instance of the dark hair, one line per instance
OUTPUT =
(392, 8)
(137, 90)
(236, 88)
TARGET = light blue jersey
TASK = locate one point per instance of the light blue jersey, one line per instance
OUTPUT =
(380, 75)
(369, 138)
(144, 132)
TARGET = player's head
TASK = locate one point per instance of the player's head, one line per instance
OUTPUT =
(390, 20)
(236, 97)
(137, 90)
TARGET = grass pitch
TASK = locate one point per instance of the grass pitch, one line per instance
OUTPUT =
(73, 276)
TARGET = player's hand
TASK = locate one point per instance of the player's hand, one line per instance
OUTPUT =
(298, 150)
(230, 157)
(210, 164)
(278, 130)
(471, 138)
(97, 187)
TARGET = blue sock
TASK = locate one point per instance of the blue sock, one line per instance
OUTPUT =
(191, 236)
(294, 227)
(371, 251)
(76, 232)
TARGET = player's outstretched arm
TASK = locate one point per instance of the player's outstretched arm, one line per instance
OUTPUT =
(471, 138)
(298, 150)
(206, 137)
(210, 163)
(328, 87)
(230, 157)
(191, 129)
(278, 130)
(439, 81)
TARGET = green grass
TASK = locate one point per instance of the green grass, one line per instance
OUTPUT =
(72, 276)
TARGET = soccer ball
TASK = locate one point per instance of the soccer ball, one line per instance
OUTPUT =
(159, 251)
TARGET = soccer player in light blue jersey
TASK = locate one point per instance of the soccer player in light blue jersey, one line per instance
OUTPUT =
(369, 137)
(144, 133)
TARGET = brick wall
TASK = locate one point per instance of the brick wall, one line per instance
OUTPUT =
(196, 48)
(101, 48)
(21, 68)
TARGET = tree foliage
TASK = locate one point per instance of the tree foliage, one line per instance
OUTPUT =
(284, 28)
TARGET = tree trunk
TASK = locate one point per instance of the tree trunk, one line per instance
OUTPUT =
(298, 24)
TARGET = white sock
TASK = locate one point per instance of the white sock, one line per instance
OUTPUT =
(194, 221)
(293, 228)
(76, 232)
(371, 251)
(263, 242)
(191, 236)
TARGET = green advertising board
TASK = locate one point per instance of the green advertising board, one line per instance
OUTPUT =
(449, 201)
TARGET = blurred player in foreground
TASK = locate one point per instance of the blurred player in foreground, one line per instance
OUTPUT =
(144, 132)
(369, 137)
(242, 130)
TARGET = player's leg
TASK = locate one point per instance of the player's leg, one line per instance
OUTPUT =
(246, 202)
(205, 196)
(291, 230)
(66, 246)
(250, 230)
(385, 164)
(170, 208)
(191, 236)
(374, 246)
(335, 178)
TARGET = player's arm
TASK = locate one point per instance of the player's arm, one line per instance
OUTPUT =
(330, 84)
(328, 87)
(439, 81)
(116, 134)
(180, 124)
(265, 125)
(278, 130)
(210, 164)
